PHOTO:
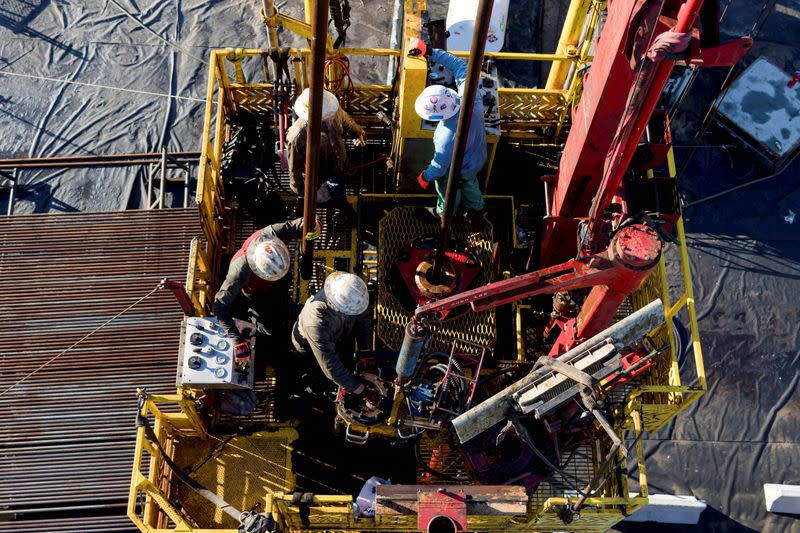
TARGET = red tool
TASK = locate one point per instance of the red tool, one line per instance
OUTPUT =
(794, 80)
(242, 354)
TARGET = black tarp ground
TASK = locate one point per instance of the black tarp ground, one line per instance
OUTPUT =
(744, 247)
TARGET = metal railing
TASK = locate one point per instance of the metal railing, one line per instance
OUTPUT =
(525, 113)
(149, 505)
(532, 113)
(662, 395)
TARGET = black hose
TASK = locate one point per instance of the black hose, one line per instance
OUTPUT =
(683, 341)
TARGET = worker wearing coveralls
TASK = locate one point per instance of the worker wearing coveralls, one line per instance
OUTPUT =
(255, 274)
(333, 160)
(328, 322)
(438, 103)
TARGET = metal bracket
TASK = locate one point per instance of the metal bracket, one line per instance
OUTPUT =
(355, 438)
(442, 506)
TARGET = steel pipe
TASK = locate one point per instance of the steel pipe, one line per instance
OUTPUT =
(319, 29)
(105, 160)
(499, 407)
(462, 131)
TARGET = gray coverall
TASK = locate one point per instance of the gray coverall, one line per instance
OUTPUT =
(318, 331)
(333, 160)
(259, 292)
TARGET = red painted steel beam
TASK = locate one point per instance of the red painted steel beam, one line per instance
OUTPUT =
(606, 87)
(723, 55)
(650, 85)
(619, 95)
(620, 269)
(181, 295)
(637, 247)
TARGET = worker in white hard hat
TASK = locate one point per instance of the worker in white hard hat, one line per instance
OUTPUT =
(333, 160)
(256, 284)
(442, 105)
(329, 322)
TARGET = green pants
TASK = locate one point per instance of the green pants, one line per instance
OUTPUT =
(469, 192)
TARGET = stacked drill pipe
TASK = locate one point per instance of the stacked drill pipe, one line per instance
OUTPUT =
(66, 442)
(83, 524)
(105, 160)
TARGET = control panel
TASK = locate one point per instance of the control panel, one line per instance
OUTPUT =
(206, 356)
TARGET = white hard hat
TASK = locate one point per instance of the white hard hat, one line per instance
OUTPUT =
(330, 104)
(346, 293)
(268, 258)
(437, 102)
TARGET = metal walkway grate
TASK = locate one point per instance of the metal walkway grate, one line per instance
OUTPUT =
(394, 231)
(241, 469)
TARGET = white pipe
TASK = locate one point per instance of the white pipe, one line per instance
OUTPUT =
(394, 40)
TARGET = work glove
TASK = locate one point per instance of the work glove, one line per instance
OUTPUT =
(242, 354)
(361, 142)
(424, 183)
(417, 47)
(314, 235)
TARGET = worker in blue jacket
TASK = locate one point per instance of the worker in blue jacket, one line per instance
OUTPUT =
(438, 103)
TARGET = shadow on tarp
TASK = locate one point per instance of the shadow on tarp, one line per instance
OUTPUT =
(766, 258)
(79, 148)
(711, 521)
(41, 195)
(17, 15)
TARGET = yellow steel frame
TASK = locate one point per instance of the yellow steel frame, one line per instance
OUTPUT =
(153, 488)
(165, 425)
(599, 513)
(539, 114)
(335, 512)
(663, 396)
(529, 113)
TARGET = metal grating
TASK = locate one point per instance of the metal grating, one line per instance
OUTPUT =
(578, 465)
(241, 469)
(365, 100)
(533, 113)
(658, 407)
(266, 390)
(394, 231)
(444, 460)
(336, 233)
(530, 107)
(66, 442)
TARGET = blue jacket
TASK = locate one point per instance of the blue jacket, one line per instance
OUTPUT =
(444, 136)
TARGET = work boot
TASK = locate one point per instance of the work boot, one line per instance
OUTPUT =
(476, 219)
(343, 214)
(428, 215)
